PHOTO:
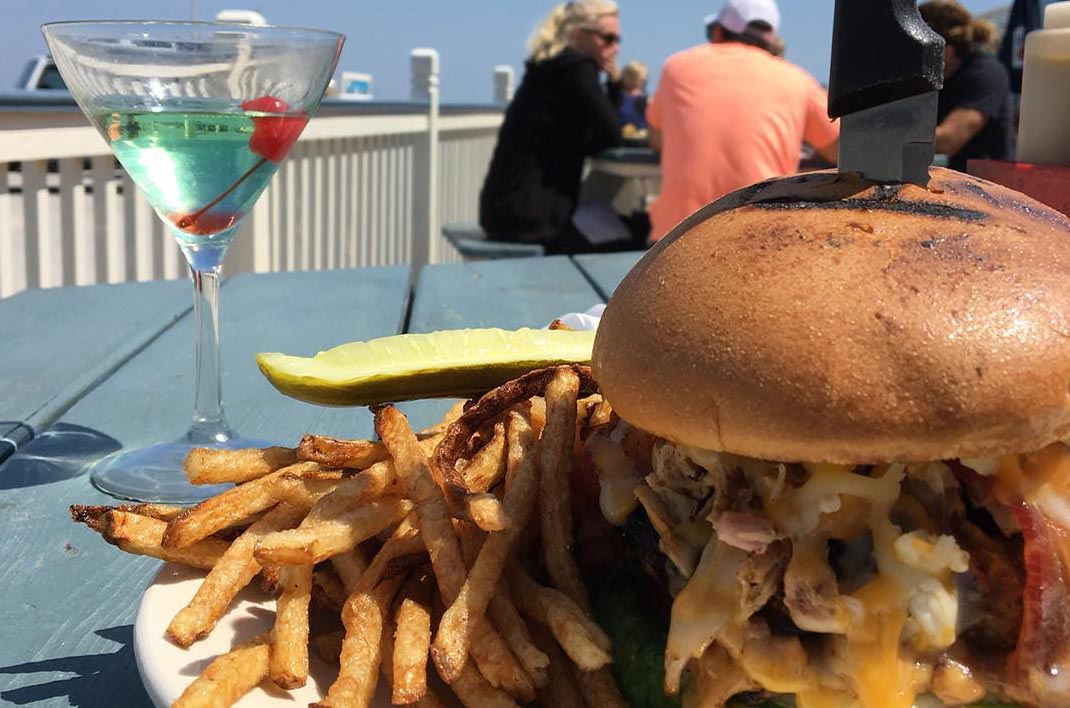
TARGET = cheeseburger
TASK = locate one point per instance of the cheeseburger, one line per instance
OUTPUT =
(839, 410)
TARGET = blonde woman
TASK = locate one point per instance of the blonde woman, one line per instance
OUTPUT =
(560, 115)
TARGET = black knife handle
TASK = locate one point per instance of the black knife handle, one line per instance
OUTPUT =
(881, 51)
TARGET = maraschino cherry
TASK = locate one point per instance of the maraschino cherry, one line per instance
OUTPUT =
(272, 138)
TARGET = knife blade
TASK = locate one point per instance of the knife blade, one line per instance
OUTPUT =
(887, 70)
(892, 142)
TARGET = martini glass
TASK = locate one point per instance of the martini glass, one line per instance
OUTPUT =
(200, 115)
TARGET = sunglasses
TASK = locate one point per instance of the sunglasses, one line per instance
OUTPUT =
(606, 37)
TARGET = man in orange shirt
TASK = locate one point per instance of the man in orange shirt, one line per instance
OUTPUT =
(728, 113)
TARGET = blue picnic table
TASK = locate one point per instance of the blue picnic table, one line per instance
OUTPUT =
(85, 371)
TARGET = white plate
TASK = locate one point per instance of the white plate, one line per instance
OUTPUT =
(166, 669)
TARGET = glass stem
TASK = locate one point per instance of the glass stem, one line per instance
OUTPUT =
(209, 424)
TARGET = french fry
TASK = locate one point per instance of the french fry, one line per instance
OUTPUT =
(354, 491)
(474, 691)
(484, 510)
(143, 536)
(363, 616)
(327, 588)
(412, 639)
(269, 578)
(490, 406)
(414, 474)
(490, 652)
(317, 540)
(404, 541)
(504, 615)
(92, 515)
(558, 324)
(305, 490)
(229, 508)
(471, 540)
(497, 664)
(332, 452)
(350, 566)
(212, 466)
(228, 677)
(560, 688)
(163, 512)
(453, 639)
(602, 413)
(386, 666)
(555, 498)
(537, 414)
(486, 468)
(288, 664)
(232, 572)
(579, 635)
(439, 428)
(598, 688)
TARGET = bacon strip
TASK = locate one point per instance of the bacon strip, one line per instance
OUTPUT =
(1040, 663)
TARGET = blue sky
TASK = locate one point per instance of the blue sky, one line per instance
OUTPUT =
(472, 36)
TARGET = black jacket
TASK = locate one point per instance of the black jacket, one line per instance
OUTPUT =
(559, 115)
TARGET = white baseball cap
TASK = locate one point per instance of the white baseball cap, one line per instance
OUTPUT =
(735, 15)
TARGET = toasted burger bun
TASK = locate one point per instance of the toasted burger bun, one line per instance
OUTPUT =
(824, 318)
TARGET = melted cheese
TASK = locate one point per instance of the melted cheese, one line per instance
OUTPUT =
(703, 608)
(780, 665)
(912, 597)
(798, 513)
(882, 678)
(617, 479)
(1029, 476)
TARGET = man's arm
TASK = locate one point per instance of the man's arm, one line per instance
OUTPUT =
(830, 152)
(822, 133)
(653, 110)
(958, 128)
(653, 136)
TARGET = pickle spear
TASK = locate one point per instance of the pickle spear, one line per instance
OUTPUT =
(447, 364)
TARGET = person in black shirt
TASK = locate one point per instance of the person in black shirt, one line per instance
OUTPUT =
(559, 115)
(973, 114)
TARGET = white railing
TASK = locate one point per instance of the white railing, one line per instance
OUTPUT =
(367, 184)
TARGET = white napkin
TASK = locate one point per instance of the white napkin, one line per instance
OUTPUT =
(583, 320)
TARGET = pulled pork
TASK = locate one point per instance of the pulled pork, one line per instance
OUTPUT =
(844, 584)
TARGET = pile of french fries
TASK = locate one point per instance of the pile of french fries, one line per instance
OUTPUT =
(451, 548)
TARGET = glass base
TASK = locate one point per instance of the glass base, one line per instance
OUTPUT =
(154, 473)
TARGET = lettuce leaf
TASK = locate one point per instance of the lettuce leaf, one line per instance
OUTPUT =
(638, 641)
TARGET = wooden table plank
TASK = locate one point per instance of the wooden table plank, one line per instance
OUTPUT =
(69, 599)
(72, 338)
(606, 271)
(509, 293)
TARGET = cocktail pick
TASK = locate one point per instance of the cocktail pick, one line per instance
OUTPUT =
(272, 138)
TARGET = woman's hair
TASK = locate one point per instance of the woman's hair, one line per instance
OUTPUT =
(633, 75)
(958, 28)
(553, 34)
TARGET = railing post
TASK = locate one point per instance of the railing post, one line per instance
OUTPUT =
(424, 65)
(250, 252)
(504, 84)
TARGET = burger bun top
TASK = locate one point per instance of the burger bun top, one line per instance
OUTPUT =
(825, 318)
